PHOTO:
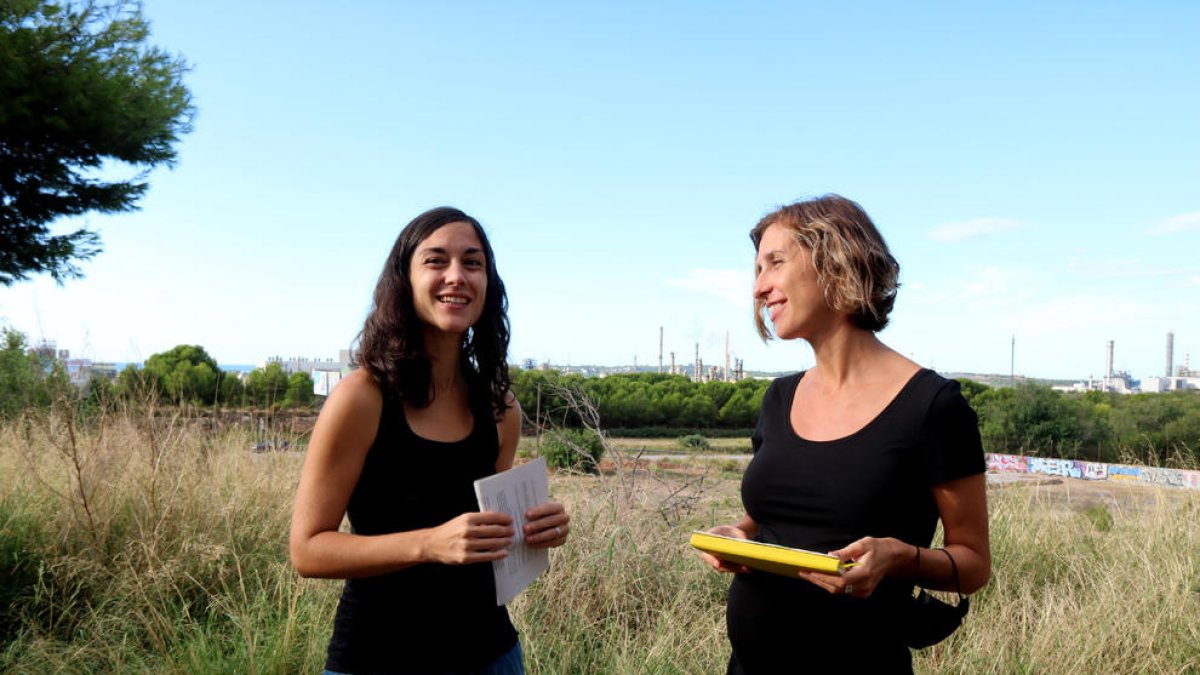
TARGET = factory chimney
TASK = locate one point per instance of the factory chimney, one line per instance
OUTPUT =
(660, 346)
(1170, 352)
(1110, 359)
(727, 378)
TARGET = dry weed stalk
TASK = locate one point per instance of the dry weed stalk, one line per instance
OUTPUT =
(629, 469)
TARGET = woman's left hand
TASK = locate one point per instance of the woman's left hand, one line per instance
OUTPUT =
(546, 525)
(874, 558)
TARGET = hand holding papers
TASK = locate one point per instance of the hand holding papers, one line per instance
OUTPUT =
(514, 492)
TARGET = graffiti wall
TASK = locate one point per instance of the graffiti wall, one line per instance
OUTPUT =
(1073, 468)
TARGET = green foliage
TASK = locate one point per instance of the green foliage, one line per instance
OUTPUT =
(1099, 516)
(1152, 429)
(82, 91)
(573, 449)
(694, 442)
(640, 400)
(184, 374)
(300, 390)
(232, 391)
(1029, 419)
(266, 387)
(20, 375)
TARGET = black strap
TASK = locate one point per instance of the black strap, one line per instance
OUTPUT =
(954, 568)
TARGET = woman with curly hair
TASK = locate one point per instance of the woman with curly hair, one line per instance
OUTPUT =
(858, 456)
(397, 448)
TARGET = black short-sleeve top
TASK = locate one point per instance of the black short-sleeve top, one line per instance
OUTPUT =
(823, 495)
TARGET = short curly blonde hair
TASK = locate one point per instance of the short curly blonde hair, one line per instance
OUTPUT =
(853, 264)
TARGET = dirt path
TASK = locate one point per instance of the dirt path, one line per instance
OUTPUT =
(1078, 494)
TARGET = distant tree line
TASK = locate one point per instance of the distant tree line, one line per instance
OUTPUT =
(640, 400)
(184, 375)
(1154, 429)
(1030, 419)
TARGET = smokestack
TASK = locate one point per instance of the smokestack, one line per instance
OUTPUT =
(672, 363)
(698, 374)
(1170, 352)
(660, 343)
(1110, 359)
(726, 356)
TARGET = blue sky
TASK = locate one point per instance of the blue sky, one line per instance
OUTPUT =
(1034, 167)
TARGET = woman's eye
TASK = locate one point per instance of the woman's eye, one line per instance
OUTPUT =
(474, 263)
(434, 261)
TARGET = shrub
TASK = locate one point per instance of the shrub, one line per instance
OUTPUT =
(694, 442)
(573, 449)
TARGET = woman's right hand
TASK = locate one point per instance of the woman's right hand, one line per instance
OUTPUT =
(469, 538)
(722, 565)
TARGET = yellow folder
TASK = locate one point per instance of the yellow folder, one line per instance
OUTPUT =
(767, 557)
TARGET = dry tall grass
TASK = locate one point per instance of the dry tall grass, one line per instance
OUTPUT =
(128, 545)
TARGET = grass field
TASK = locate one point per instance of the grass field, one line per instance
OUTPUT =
(127, 546)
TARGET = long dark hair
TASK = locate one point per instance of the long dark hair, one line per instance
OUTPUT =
(392, 344)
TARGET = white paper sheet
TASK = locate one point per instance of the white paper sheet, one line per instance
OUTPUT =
(513, 492)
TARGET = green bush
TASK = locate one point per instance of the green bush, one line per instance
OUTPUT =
(573, 449)
(694, 442)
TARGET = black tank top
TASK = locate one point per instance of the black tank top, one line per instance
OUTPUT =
(430, 617)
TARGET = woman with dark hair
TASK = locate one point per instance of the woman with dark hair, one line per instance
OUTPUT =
(858, 456)
(397, 448)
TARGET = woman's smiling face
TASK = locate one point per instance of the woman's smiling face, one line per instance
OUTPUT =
(786, 283)
(448, 274)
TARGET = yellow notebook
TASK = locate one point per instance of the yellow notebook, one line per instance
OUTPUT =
(767, 557)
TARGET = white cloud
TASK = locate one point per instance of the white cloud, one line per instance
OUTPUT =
(1134, 268)
(989, 282)
(734, 286)
(976, 287)
(1184, 222)
(969, 229)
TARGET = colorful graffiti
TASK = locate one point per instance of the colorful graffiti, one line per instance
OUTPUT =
(997, 463)
(1070, 468)
(1094, 470)
(1053, 467)
(1124, 472)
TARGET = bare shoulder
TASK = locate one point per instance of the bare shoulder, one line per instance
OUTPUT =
(514, 405)
(358, 387)
(510, 419)
(355, 401)
(897, 368)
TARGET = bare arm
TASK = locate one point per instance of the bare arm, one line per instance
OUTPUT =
(509, 429)
(962, 505)
(343, 434)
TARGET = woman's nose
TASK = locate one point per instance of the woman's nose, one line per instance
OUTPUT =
(761, 288)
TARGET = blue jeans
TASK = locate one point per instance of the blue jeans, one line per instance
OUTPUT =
(511, 662)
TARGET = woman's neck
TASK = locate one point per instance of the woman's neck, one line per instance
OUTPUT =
(445, 363)
(846, 352)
